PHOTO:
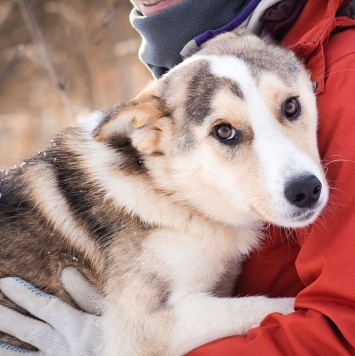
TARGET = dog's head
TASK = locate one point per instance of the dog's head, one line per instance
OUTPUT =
(231, 132)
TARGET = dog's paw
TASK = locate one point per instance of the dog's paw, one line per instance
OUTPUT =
(253, 310)
(255, 326)
(264, 306)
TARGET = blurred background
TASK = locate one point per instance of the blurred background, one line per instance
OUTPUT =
(60, 60)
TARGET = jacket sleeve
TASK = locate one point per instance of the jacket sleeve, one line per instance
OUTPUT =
(324, 320)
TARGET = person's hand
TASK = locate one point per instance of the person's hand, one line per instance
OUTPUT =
(62, 330)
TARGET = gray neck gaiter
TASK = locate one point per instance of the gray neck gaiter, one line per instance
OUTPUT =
(165, 33)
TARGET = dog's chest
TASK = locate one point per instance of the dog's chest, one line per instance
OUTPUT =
(197, 263)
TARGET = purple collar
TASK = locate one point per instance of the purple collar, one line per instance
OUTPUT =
(204, 37)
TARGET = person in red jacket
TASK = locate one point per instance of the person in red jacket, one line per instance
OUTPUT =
(314, 264)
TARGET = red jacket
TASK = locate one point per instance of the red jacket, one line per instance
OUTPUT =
(315, 264)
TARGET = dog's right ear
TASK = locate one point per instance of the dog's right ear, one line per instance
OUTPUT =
(138, 112)
(141, 119)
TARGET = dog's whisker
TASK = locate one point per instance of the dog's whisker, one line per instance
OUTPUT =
(328, 72)
(338, 161)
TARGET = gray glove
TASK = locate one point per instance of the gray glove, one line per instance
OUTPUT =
(64, 331)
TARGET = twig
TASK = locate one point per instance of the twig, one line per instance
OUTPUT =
(37, 37)
(10, 62)
(67, 33)
(5, 10)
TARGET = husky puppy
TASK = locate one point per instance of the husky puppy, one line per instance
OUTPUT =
(158, 200)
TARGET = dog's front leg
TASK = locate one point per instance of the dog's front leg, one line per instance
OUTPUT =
(202, 318)
(142, 324)
(138, 319)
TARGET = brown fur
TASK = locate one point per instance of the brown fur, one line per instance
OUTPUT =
(122, 200)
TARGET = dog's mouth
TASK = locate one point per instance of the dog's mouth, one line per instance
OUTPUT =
(301, 217)
(304, 217)
(297, 218)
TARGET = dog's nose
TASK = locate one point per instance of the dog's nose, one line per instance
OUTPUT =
(303, 192)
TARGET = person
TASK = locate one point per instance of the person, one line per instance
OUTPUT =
(314, 264)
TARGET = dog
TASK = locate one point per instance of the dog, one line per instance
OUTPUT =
(160, 199)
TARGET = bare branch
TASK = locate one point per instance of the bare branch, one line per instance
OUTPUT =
(5, 9)
(37, 38)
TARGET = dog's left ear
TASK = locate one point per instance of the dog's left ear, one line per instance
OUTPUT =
(143, 120)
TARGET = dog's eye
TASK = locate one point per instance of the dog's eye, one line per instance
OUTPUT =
(226, 134)
(292, 108)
